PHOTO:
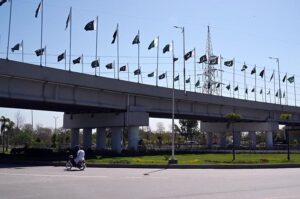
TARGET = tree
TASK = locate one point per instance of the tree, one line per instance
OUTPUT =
(286, 117)
(231, 119)
(160, 127)
(6, 127)
(19, 119)
(188, 128)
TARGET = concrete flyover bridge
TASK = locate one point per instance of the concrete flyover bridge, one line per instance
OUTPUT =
(99, 102)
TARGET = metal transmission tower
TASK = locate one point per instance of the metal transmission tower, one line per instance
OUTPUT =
(209, 71)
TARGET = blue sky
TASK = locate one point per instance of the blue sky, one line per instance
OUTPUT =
(249, 31)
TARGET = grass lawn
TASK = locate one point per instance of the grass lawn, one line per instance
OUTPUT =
(201, 159)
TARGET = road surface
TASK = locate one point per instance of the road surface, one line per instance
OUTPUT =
(17, 182)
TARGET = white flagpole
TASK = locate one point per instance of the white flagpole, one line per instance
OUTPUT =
(167, 79)
(114, 69)
(9, 24)
(42, 19)
(99, 65)
(274, 87)
(255, 84)
(22, 50)
(82, 62)
(194, 70)
(265, 84)
(96, 47)
(128, 70)
(65, 55)
(139, 57)
(70, 51)
(118, 56)
(286, 94)
(295, 90)
(233, 68)
(157, 59)
(245, 80)
(221, 75)
(45, 55)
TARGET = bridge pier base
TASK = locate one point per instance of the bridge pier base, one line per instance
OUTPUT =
(74, 137)
(209, 136)
(222, 138)
(133, 138)
(269, 139)
(116, 139)
(252, 139)
(87, 138)
(100, 139)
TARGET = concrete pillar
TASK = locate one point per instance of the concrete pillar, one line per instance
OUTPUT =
(74, 137)
(269, 139)
(252, 139)
(237, 137)
(87, 138)
(116, 139)
(133, 137)
(100, 139)
(222, 138)
(209, 136)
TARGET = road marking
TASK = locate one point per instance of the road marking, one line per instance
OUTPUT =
(47, 175)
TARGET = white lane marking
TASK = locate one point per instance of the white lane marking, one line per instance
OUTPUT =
(46, 175)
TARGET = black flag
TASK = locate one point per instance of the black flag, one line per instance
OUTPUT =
(218, 85)
(262, 73)
(244, 67)
(272, 76)
(38, 10)
(276, 94)
(188, 80)
(284, 78)
(114, 36)
(40, 52)
(68, 20)
(176, 78)
(167, 48)
(253, 89)
(151, 74)
(90, 26)
(2, 2)
(16, 47)
(261, 91)
(162, 76)
(95, 63)
(77, 60)
(253, 71)
(213, 60)
(175, 59)
(236, 88)
(202, 59)
(228, 87)
(197, 83)
(228, 63)
(109, 66)
(137, 72)
(123, 68)
(153, 44)
(246, 91)
(291, 79)
(136, 39)
(189, 55)
(61, 57)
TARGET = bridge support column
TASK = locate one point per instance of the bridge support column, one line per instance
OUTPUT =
(237, 139)
(116, 139)
(209, 136)
(87, 138)
(133, 137)
(269, 139)
(74, 137)
(252, 139)
(222, 138)
(100, 139)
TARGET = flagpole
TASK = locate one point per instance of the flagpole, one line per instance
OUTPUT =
(96, 46)
(244, 80)
(114, 69)
(82, 62)
(65, 54)
(157, 60)
(295, 90)
(286, 97)
(9, 24)
(22, 51)
(139, 57)
(70, 51)
(221, 75)
(194, 70)
(128, 70)
(265, 84)
(42, 19)
(118, 58)
(274, 86)
(45, 55)
(167, 79)
(99, 66)
(255, 84)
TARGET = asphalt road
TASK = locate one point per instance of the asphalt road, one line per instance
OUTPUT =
(54, 182)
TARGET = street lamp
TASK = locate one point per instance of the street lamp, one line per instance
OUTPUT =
(183, 40)
(277, 60)
(55, 118)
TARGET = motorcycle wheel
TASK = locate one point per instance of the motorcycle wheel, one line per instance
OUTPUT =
(82, 166)
(69, 165)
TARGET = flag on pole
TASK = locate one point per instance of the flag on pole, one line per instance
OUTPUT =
(261, 91)
(283, 96)
(109, 66)
(162, 76)
(176, 78)
(228, 87)
(284, 78)
(188, 80)
(189, 55)
(228, 63)
(262, 73)
(77, 60)
(167, 48)
(202, 59)
(136, 39)
(197, 83)
(291, 79)
(151, 74)
(236, 88)
(38, 9)
(276, 94)
(153, 44)
(175, 59)
(90, 26)
(253, 90)
(272, 76)
(269, 92)
(39, 52)
(246, 91)
(218, 85)
(137, 72)
(95, 63)
(2, 2)
(123, 68)
(61, 57)
(18, 46)
(114, 36)
(244, 67)
(68, 20)
(213, 60)
(253, 70)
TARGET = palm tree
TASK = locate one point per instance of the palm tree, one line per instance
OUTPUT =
(6, 126)
(231, 119)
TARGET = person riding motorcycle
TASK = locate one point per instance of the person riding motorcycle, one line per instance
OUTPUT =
(79, 155)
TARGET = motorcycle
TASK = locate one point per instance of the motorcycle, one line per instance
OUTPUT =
(70, 163)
